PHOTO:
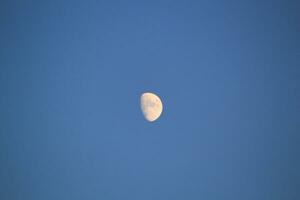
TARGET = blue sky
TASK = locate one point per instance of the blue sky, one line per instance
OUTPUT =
(71, 75)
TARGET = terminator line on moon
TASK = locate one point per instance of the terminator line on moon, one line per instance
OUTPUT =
(151, 106)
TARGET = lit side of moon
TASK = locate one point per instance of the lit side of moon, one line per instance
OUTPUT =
(151, 106)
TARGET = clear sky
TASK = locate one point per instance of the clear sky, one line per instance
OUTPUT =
(71, 75)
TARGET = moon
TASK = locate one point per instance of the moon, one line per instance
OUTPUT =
(151, 106)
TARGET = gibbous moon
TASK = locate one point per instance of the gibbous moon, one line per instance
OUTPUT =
(151, 106)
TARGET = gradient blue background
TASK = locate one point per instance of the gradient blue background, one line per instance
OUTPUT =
(71, 75)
